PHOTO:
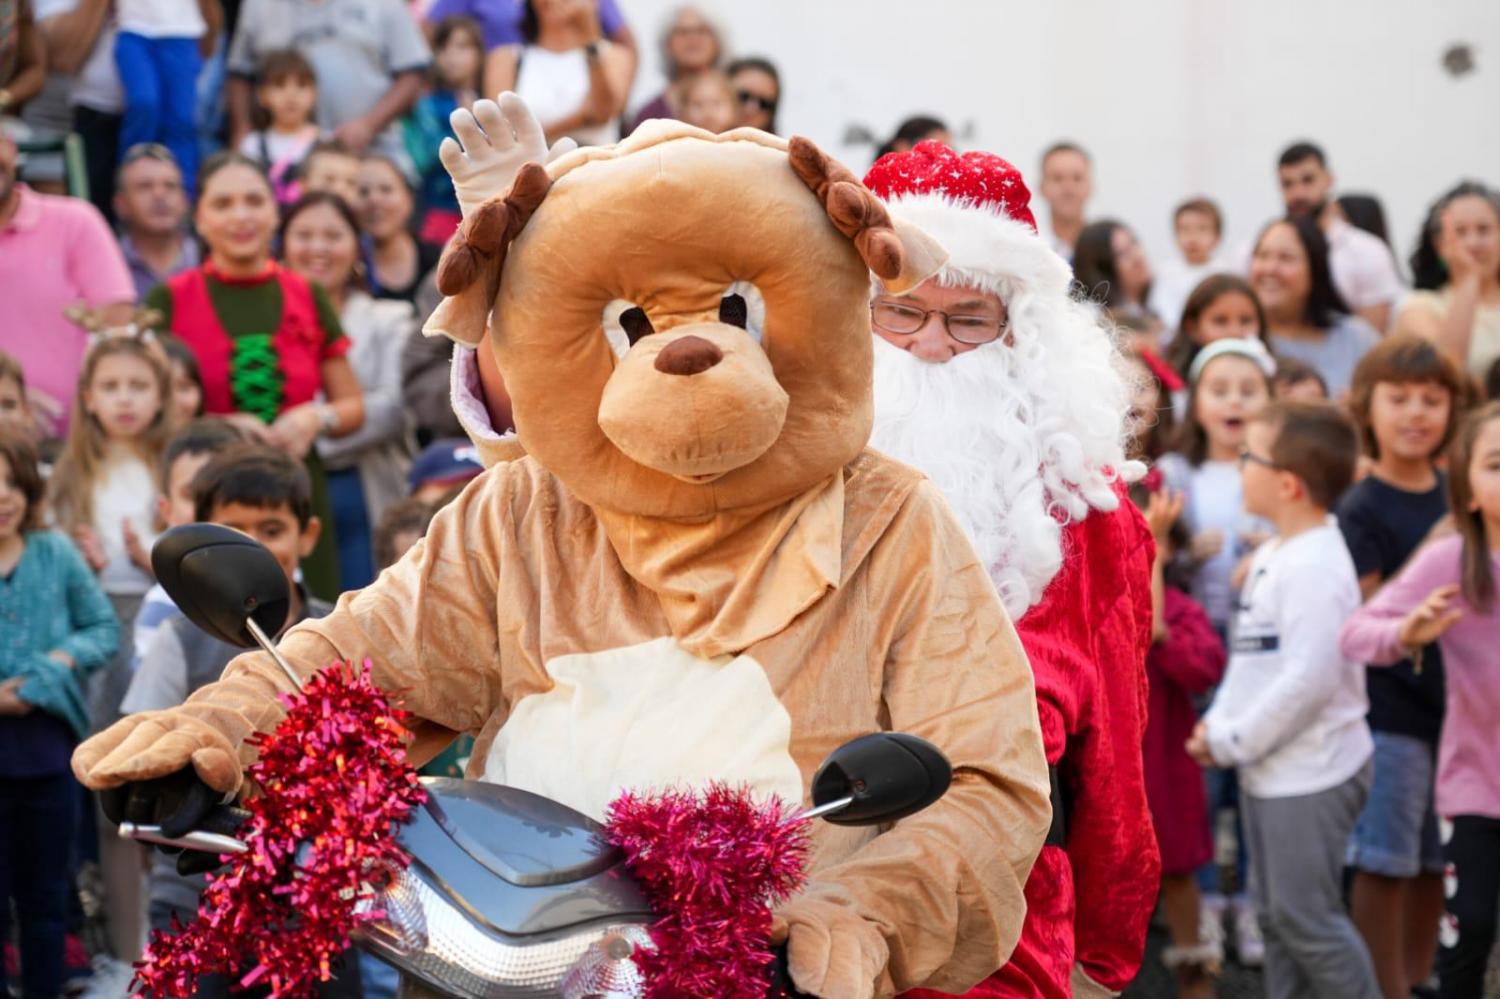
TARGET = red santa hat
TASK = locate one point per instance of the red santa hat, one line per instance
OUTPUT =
(978, 207)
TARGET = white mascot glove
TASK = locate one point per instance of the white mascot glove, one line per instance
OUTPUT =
(498, 138)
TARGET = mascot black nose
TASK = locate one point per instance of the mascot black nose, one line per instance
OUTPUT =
(688, 356)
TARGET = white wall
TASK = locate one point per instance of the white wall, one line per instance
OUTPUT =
(1172, 97)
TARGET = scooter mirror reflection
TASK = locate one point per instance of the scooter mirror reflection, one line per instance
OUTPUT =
(221, 579)
(886, 776)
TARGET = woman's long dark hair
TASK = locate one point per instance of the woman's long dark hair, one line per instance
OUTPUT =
(1478, 578)
(1428, 271)
(1364, 211)
(910, 132)
(1324, 303)
(1094, 264)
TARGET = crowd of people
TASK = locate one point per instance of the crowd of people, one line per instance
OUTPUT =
(214, 292)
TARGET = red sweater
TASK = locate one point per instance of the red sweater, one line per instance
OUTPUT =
(1087, 641)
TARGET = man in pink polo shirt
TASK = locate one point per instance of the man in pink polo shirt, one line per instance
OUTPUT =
(54, 252)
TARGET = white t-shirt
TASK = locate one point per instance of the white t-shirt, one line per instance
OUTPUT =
(278, 146)
(97, 83)
(161, 18)
(126, 490)
(1362, 266)
(1212, 500)
(554, 85)
(1290, 713)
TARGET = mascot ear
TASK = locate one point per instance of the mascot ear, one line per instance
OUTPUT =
(898, 253)
(468, 275)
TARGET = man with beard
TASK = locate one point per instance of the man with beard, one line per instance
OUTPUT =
(1009, 395)
(1363, 269)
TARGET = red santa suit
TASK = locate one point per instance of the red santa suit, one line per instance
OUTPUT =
(1031, 458)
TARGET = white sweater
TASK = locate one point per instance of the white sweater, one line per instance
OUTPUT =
(1290, 713)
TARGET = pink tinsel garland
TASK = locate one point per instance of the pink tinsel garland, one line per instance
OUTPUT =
(334, 787)
(712, 865)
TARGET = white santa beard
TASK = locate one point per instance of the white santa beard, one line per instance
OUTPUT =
(968, 425)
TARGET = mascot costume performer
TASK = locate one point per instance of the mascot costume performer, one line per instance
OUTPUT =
(697, 571)
(1024, 437)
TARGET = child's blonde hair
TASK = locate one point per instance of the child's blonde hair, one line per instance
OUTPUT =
(82, 460)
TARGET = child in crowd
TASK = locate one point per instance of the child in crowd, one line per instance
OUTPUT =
(1185, 661)
(402, 525)
(1446, 594)
(1298, 381)
(1290, 714)
(1220, 307)
(16, 416)
(440, 467)
(103, 493)
(266, 494)
(105, 484)
(187, 452)
(331, 167)
(1153, 423)
(1197, 226)
(186, 380)
(1406, 398)
(707, 100)
(1230, 383)
(458, 65)
(158, 53)
(286, 90)
(57, 627)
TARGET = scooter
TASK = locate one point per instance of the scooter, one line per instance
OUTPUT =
(509, 895)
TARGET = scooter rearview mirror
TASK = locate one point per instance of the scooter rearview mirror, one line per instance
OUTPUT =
(226, 582)
(884, 777)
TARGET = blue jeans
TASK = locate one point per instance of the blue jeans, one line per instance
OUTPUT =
(38, 816)
(1397, 833)
(160, 78)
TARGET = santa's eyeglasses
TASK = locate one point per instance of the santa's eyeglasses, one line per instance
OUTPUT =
(904, 320)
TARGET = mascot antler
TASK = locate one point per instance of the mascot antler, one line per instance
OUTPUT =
(485, 236)
(478, 251)
(854, 211)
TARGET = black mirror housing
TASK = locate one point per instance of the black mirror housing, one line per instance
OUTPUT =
(220, 579)
(890, 775)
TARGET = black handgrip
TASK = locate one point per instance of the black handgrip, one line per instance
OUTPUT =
(781, 977)
(225, 820)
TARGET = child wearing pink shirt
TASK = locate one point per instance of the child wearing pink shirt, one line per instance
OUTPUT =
(1446, 594)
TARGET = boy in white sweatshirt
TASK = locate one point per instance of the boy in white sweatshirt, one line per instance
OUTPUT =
(1290, 714)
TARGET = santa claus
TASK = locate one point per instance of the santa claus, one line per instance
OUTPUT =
(1010, 395)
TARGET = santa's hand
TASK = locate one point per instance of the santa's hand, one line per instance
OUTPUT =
(831, 951)
(154, 744)
(495, 140)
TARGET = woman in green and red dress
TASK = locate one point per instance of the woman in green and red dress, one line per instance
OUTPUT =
(268, 343)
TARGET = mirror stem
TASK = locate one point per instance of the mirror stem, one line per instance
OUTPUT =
(270, 649)
(817, 811)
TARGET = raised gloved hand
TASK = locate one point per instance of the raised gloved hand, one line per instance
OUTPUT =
(831, 951)
(153, 744)
(495, 140)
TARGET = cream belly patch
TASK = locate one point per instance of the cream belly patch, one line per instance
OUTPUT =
(646, 717)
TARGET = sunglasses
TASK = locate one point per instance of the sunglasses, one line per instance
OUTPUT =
(767, 104)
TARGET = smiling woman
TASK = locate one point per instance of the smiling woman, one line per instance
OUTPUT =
(268, 342)
(320, 240)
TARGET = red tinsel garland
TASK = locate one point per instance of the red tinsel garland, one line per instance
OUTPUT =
(334, 787)
(712, 865)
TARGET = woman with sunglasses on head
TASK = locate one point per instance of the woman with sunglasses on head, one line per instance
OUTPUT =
(757, 88)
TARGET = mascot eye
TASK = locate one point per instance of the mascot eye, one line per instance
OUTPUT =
(636, 323)
(734, 311)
